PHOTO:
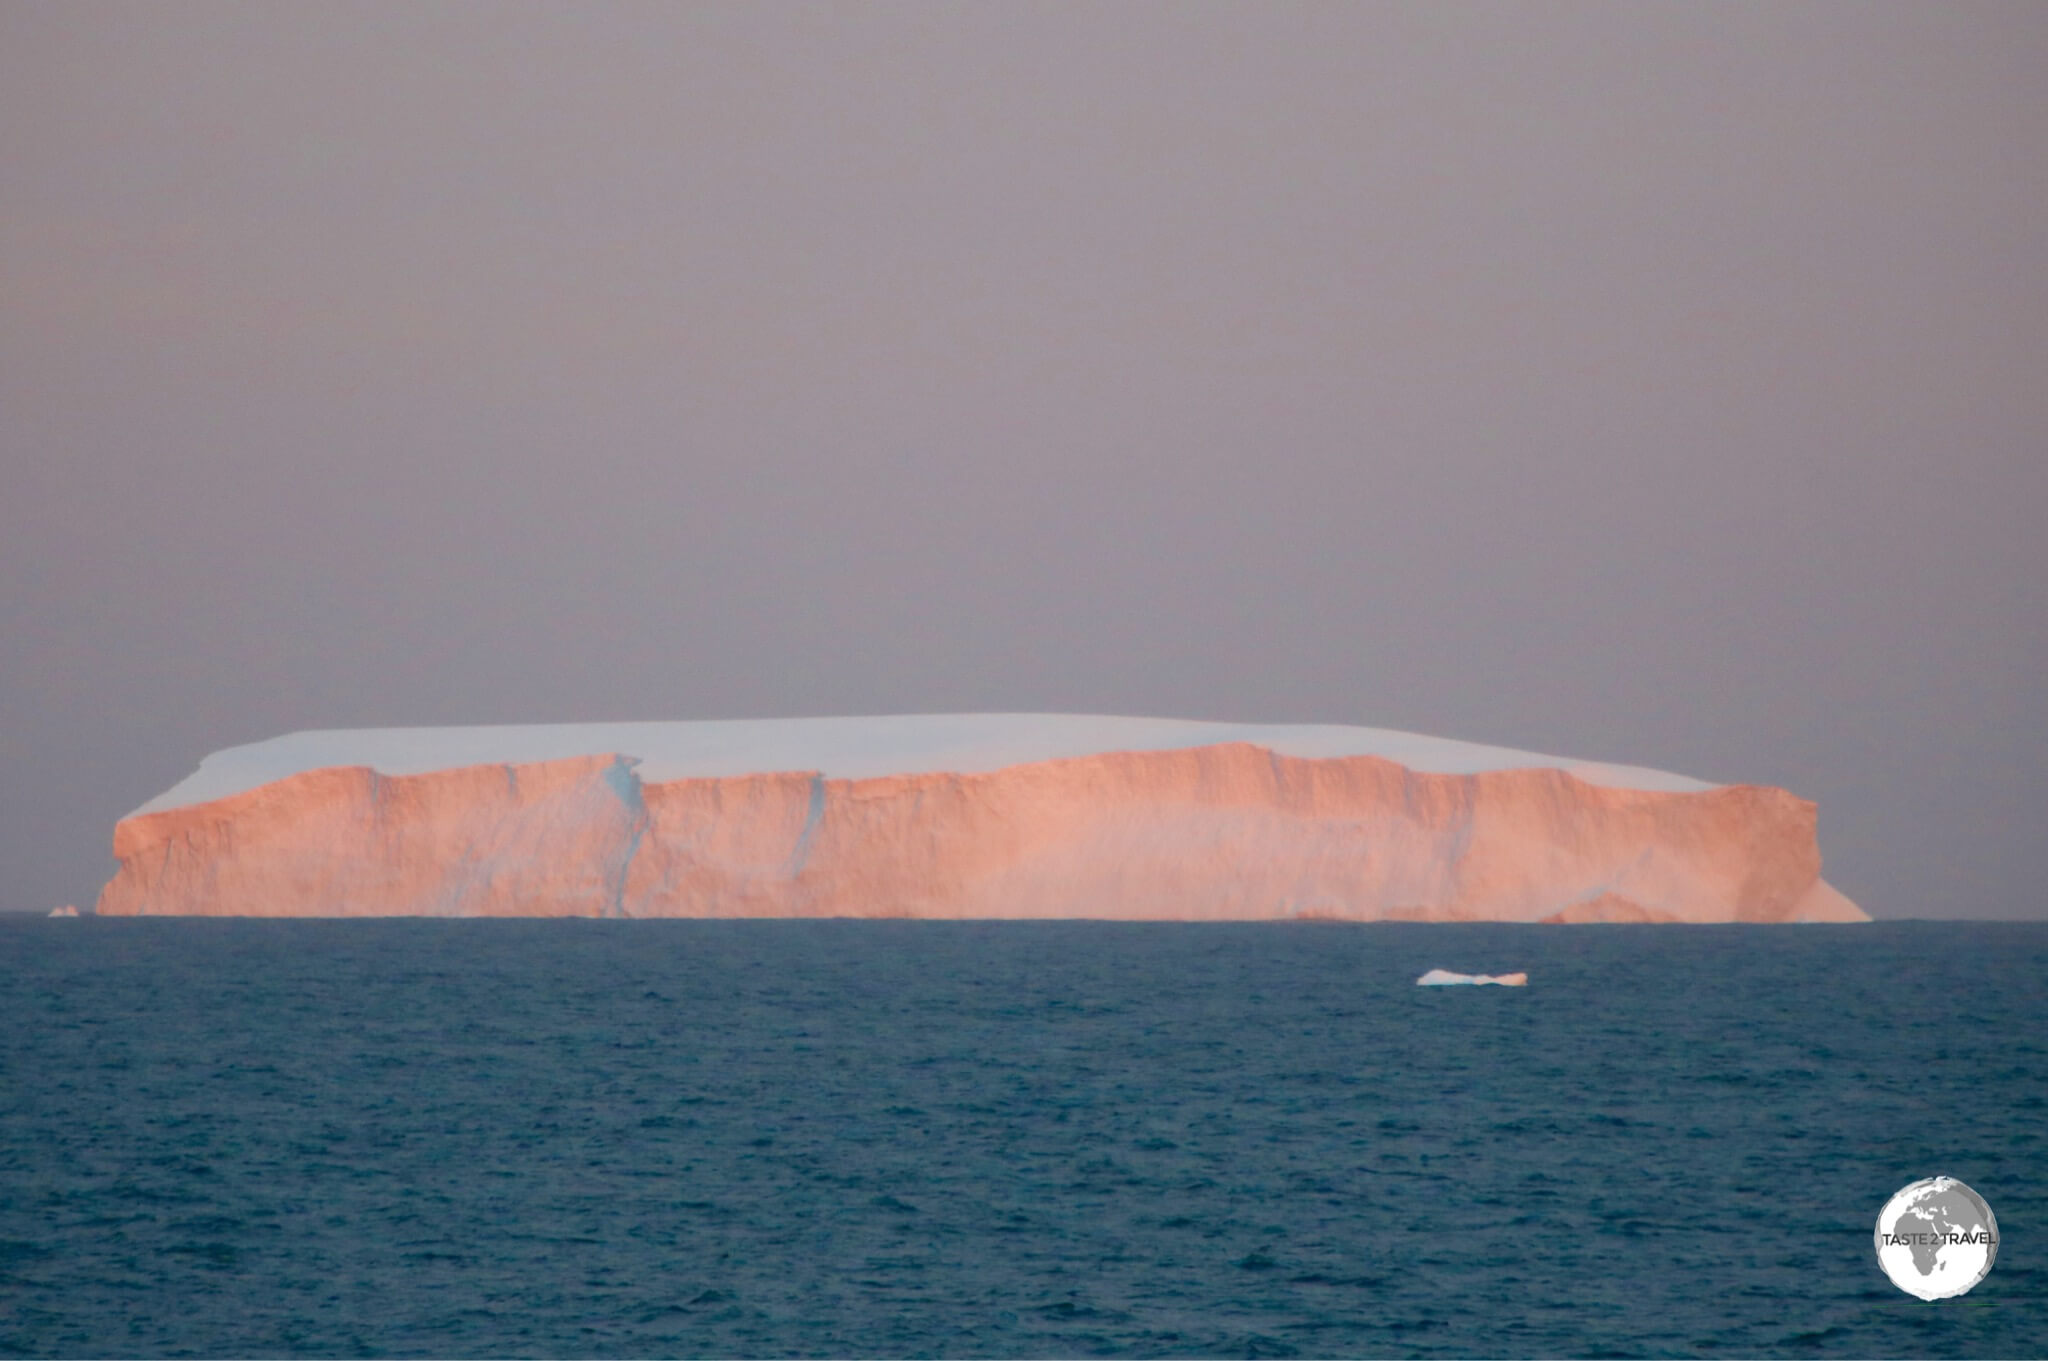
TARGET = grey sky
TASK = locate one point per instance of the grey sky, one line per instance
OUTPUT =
(1663, 384)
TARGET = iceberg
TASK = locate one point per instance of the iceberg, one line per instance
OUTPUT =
(958, 816)
(65, 911)
(1437, 978)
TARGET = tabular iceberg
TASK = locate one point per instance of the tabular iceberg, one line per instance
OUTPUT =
(958, 816)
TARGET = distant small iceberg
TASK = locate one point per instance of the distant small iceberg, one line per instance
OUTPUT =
(65, 911)
(1437, 978)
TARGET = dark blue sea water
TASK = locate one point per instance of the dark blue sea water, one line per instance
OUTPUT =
(578, 1138)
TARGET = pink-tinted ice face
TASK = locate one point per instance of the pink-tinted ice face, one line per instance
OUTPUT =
(1155, 825)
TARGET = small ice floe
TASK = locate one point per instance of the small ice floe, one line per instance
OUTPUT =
(65, 911)
(1437, 978)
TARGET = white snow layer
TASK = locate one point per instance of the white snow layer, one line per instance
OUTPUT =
(849, 748)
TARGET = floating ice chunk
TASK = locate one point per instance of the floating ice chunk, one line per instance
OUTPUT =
(65, 911)
(1437, 978)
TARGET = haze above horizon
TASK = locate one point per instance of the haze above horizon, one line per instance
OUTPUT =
(1660, 384)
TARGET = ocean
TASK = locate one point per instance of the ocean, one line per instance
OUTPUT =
(885, 1138)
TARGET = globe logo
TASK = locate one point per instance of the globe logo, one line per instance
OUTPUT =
(1936, 1238)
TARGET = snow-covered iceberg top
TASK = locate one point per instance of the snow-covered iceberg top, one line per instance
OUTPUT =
(850, 748)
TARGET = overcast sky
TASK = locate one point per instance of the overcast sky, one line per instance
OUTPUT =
(1665, 384)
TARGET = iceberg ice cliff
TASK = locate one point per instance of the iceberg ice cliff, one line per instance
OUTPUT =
(959, 815)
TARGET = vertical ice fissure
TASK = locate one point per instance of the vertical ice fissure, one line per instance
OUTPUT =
(812, 817)
(625, 783)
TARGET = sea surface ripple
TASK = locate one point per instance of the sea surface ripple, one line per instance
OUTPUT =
(888, 1138)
